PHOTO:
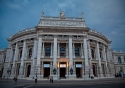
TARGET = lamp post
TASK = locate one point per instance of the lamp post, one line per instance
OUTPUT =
(71, 71)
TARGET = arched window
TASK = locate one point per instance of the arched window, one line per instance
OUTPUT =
(30, 52)
(20, 54)
(119, 59)
(48, 51)
(92, 53)
(62, 51)
(76, 51)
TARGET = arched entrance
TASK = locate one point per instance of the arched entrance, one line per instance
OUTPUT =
(94, 70)
(28, 70)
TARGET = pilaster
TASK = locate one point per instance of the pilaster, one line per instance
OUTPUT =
(55, 52)
(86, 59)
(13, 67)
(104, 56)
(39, 57)
(99, 67)
(22, 60)
(33, 59)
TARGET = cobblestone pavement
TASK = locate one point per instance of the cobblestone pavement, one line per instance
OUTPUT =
(76, 83)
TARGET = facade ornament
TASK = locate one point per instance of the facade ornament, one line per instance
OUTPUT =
(62, 15)
(82, 15)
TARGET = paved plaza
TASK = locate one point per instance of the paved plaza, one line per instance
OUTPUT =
(63, 83)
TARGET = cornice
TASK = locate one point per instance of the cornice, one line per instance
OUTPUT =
(99, 36)
(17, 35)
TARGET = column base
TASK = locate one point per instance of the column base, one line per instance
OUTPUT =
(39, 76)
(86, 77)
(107, 75)
(21, 76)
(101, 75)
(12, 73)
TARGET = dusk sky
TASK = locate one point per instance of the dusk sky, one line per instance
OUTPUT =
(105, 16)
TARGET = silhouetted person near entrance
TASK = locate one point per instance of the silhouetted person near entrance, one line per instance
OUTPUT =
(35, 79)
(51, 79)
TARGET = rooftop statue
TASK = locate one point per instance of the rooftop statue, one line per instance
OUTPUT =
(82, 15)
(42, 13)
(62, 14)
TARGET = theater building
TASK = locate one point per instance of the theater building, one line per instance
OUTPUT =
(60, 46)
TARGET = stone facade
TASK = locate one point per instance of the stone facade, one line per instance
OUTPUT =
(60, 46)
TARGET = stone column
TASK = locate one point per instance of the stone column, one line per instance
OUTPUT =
(43, 53)
(22, 60)
(83, 70)
(98, 56)
(10, 59)
(13, 67)
(33, 59)
(74, 69)
(90, 56)
(104, 56)
(70, 56)
(81, 51)
(58, 68)
(51, 51)
(73, 50)
(67, 72)
(42, 68)
(39, 57)
(86, 76)
(55, 55)
(58, 50)
(51, 68)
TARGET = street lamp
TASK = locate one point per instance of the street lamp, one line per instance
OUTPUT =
(71, 71)
(54, 71)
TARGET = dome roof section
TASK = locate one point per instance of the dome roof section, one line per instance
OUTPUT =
(27, 31)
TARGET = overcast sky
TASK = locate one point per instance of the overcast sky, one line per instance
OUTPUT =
(105, 16)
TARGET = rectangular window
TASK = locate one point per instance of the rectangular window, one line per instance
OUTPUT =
(75, 36)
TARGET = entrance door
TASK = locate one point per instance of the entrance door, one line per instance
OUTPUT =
(46, 72)
(28, 70)
(78, 72)
(62, 72)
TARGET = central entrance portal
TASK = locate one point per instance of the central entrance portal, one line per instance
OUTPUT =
(62, 69)
(46, 72)
(62, 72)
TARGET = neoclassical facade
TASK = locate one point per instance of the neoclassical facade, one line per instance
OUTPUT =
(60, 46)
